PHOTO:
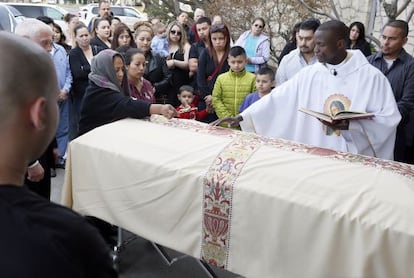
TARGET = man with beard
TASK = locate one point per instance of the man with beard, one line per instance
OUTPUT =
(104, 12)
(301, 56)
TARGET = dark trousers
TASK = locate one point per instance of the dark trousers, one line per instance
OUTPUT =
(42, 187)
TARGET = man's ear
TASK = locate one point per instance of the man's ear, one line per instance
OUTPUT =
(341, 44)
(405, 40)
(38, 113)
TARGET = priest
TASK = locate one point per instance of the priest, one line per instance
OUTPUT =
(341, 80)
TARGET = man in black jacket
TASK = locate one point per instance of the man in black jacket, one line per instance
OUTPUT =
(37, 238)
(398, 66)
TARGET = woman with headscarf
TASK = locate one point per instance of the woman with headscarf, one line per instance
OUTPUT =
(107, 97)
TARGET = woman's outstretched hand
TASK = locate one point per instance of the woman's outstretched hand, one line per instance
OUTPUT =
(165, 110)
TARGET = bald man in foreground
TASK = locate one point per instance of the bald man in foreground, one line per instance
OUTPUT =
(37, 238)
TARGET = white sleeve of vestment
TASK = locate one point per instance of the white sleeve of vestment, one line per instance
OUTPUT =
(273, 114)
(376, 136)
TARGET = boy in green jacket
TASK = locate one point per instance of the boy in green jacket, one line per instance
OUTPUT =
(233, 86)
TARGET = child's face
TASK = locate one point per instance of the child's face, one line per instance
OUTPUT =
(186, 97)
(264, 83)
(238, 63)
(161, 31)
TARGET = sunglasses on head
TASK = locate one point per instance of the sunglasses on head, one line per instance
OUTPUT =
(175, 32)
(216, 27)
(258, 26)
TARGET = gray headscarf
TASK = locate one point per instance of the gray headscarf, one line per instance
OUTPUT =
(103, 72)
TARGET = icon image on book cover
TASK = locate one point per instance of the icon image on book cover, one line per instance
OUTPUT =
(336, 108)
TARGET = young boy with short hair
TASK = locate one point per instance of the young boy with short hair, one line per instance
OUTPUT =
(233, 86)
(265, 82)
(188, 109)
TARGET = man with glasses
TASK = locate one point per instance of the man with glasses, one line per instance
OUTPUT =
(64, 75)
(303, 55)
(256, 44)
(38, 173)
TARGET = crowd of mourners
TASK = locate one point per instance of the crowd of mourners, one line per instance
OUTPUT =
(197, 71)
(106, 72)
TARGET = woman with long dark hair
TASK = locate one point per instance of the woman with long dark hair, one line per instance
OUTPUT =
(211, 63)
(356, 38)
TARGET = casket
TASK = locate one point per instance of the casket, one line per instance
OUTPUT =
(253, 205)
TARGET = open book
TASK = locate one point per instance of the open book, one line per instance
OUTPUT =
(341, 115)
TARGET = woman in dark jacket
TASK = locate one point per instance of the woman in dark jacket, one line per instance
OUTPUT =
(80, 59)
(101, 33)
(107, 97)
(156, 71)
(357, 40)
(211, 63)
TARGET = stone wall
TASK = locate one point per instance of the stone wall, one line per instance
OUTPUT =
(359, 10)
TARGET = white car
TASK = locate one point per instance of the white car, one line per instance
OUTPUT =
(9, 18)
(128, 15)
(34, 10)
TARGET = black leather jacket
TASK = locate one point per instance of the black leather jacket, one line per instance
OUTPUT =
(157, 73)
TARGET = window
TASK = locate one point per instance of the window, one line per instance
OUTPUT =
(131, 13)
(53, 13)
(29, 11)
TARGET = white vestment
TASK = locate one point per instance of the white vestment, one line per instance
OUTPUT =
(360, 86)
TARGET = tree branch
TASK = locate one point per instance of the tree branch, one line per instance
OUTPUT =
(403, 7)
(335, 11)
(315, 11)
(410, 14)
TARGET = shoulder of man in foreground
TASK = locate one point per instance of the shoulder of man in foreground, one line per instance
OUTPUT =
(38, 229)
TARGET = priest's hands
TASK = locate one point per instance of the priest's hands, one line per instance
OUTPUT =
(339, 124)
(231, 121)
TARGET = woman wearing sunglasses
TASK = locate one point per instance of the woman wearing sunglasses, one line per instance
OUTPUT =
(177, 60)
(256, 44)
